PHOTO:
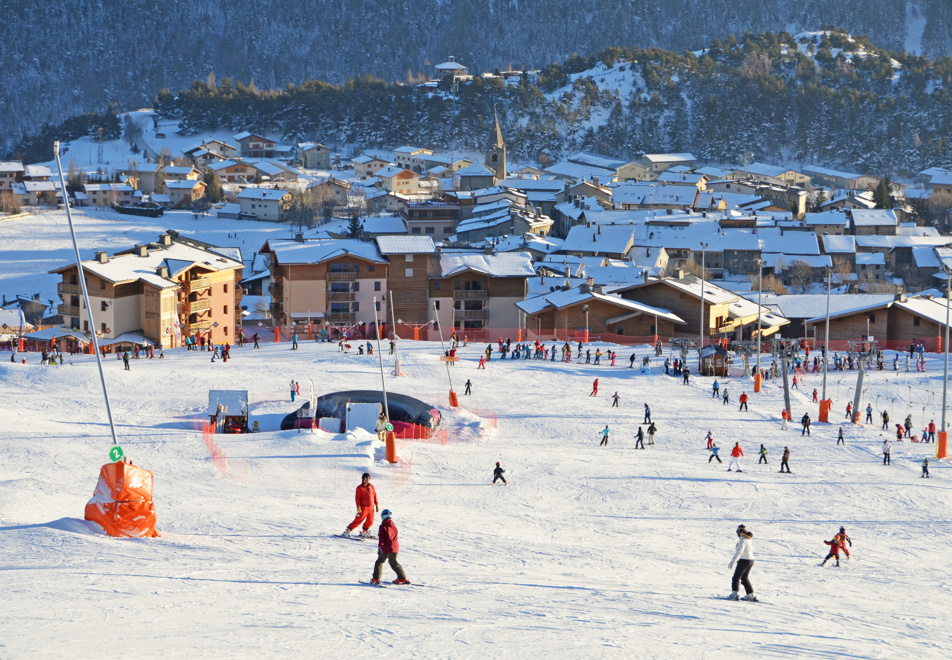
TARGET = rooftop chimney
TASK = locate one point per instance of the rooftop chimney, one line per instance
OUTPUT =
(590, 281)
(142, 250)
(299, 237)
(488, 249)
(679, 273)
(102, 257)
(165, 239)
(162, 271)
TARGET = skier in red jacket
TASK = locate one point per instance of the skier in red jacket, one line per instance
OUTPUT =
(835, 546)
(594, 388)
(736, 453)
(843, 540)
(366, 499)
(387, 549)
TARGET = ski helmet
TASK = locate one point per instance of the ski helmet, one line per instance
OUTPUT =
(497, 463)
(842, 530)
(385, 514)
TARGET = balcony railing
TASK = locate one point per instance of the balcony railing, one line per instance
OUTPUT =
(199, 284)
(239, 294)
(275, 288)
(199, 306)
(479, 294)
(340, 296)
(68, 289)
(341, 277)
(471, 314)
(342, 317)
(199, 325)
(67, 310)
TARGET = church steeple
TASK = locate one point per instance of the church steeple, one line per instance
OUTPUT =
(496, 154)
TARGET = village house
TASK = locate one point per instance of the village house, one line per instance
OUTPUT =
(368, 166)
(398, 181)
(314, 156)
(164, 291)
(435, 219)
(105, 195)
(840, 179)
(145, 177)
(233, 171)
(471, 291)
(183, 194)
(251, 145)
(334, 281)
(404, 156)
(11, 171)
(411, 258)
(899, 322)
(266, 204)
(658, 163)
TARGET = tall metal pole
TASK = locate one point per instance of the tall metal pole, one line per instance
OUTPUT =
(442, 346)
(82, 283)
(826, 334)
(760, 278)
(945, 370)
(701, 324)
(383, 382)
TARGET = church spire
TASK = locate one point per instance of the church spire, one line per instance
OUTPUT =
(496, 154)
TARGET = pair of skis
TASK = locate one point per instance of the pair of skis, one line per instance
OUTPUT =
(384, 585)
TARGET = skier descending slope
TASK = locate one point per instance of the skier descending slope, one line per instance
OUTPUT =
(388, 547)
(736, 453)
(744, 558)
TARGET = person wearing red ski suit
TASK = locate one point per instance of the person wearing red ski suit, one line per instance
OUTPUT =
(387, 549)
(366, 498)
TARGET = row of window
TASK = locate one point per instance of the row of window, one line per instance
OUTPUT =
(431, 230)
(341, 267)
(344, 287)
(344, 307)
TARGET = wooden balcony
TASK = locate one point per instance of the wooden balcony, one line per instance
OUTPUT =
(198, 285)
(63, 288)
(199, 306)
(341, 277)
(67, 310)
(239, 294)
(479, 294)
(342, 318)
(341, 296)
(200, 325)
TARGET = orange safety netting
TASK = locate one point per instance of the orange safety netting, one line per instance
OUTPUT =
(122, 501)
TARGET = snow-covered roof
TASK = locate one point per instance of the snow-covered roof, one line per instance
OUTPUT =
(363, 160)
(837, 218)
(507, 264)
(314, 251)
(50, 333)
(942, 179)
(870, 259)
(37, 170)
(714, 172)
(405, 245)
(781, 261)
(604, 239)
(839, 244)
(223, 165)
(680, 178)
(11, 166)
(789, 242)
(184, 184)
(925, 257)
(804, 306)
(385, 224)
(874, 217)
(409, 150)
(562, 299)
(766, 170)
(670, 158)
(476, 169)
(262, 194)
(828, 172)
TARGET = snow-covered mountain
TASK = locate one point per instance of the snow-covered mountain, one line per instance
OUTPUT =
(63, 58)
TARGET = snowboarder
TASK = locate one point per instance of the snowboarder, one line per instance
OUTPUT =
(647, 415)
(763, 455)
(615, 399)
(886, 448)
(785, 460)
(469, 387)
(651, 433)
(605, 434)
(497, 474)
(744, 558)
(640, 439)
(839, 438)
(805, 421)
(743, 401)
(736, 454)
(834, 551)
(714, 451)
(366, 499)
(387, 549)
(594, 388)
(925, 468)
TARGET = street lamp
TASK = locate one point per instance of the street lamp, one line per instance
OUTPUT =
(454, 402)
(391, 442)
(700, 344)
(826, 333)
(760, 279)
(943, 437)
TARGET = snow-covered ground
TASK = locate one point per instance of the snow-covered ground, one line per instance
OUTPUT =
(589, 552)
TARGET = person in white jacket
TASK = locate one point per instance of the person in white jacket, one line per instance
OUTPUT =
(381, 427)
(886, 448)
(744, 558)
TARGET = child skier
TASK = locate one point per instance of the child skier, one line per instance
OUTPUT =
(744, 558)
(615, 399)
(387, 549)
(497, 474)
(710, 439)
(714, 450)
(835, 546)
(605, 434)
(925, 468)
(763, 455)
(844, 539)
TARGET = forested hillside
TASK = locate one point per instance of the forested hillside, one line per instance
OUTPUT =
(65, 58)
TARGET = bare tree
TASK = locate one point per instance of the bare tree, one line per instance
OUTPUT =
(770, 283)
(842, 269)
(801, 274)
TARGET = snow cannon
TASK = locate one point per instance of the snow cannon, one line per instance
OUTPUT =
(122, 501)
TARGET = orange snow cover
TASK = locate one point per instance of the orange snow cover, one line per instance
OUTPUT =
(122, 501)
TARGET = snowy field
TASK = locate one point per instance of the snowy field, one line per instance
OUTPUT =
(589, 552)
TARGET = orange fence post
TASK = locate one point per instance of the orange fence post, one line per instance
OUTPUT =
(938, 344)
(391, 447)
(825, 410)
(757, 382)
(518, 335)
(416, 334)
(454, 400)
(309, 332)
(942, 449)
(277, 334)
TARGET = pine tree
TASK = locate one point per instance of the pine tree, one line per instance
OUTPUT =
(881, 194)
(213, 191)
(354, 228)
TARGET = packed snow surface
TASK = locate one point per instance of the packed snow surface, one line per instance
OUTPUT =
(588, 552)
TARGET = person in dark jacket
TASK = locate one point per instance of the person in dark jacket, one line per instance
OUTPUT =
(497, 474)
(387, 549)
(640, 439)
(785, 460)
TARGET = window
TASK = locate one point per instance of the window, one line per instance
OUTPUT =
(356, 307)
(356, 286)
(436, 304)
(447, 230)
(409, 272)
(436, 285)
(370, 268)
(103, 306)
(356, 268)
(102, 284)
(226, 288)
(377, 305)
(226, 330)
(429, 230)
(415, 230)
(376, 286)
(226, 310)
(409, 257)
(85, 326)
(872, 318)
(104, 328)
(915, 321)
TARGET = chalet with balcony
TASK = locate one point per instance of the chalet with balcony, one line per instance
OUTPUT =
(334, 281)
(471, 291)
(251, 145)
(411, 259)
(314, 156)
(398, 181)
(168, 290)
(435, 219)
(233, 171)
(368, 166)
(11, 171)
(183, 194)
(266, 204)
